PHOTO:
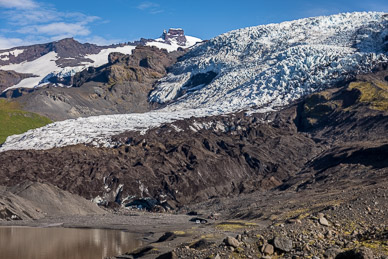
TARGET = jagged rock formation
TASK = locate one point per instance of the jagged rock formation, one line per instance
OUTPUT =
(175, 35)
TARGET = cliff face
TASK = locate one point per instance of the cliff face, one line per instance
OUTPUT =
(176, 36)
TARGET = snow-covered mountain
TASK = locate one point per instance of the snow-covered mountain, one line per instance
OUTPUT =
(66, 57)
(174, 39)
(276, 63)
(259, 67)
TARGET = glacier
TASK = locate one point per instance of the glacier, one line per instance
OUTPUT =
(277, 63)
(257, 69)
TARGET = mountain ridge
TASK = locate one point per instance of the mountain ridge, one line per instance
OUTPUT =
(66, 57)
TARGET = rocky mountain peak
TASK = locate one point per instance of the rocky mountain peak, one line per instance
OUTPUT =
(70, 48)
(175, 35)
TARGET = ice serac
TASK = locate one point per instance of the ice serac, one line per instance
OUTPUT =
(262, 67)
(277, 63)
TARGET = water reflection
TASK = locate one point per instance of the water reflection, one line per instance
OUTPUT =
(61, 243)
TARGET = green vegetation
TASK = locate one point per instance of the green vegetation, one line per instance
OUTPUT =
(373, 93)
(13, 120)
(234, 225)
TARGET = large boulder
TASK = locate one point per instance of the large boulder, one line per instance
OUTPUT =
(283, 244)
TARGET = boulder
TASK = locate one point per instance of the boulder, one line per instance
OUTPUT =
(267, 249)
(231, 241)
(323, 222)
(283, 244)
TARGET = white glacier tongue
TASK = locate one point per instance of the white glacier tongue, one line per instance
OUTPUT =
(96, 130)
(276, 63)
(264, 66)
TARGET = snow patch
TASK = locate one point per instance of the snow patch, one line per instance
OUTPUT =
(173, 45)
(4, 58)
(39, 67)
(102, 57)
(16, 52)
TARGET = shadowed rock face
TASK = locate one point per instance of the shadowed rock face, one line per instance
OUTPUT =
(185, 166)
(10, 78)
(121, 86)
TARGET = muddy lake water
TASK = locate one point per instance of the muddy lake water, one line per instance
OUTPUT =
(61, 243)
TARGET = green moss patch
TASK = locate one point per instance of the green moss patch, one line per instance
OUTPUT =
(373, 93)
(13, 120)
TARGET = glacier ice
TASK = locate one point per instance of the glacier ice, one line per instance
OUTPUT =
(277, 63)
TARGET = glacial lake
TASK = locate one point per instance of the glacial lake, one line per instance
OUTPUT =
(64, 243)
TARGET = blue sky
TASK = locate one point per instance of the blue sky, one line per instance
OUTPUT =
(24, 22)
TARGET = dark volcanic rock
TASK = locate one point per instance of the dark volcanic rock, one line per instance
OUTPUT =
(183, 166)
(359, 253)
(10, 78)
(202, 244)
(168, 236)
(169, 255)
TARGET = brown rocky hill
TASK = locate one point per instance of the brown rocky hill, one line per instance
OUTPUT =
(33, 200)
(121, 86)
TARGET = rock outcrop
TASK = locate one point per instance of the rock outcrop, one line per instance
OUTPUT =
(121, 86)
(175, 35)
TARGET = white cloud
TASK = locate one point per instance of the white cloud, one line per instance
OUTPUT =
(101, 41)
(151, 7)
(7, 43)
(46, 15)
(147, 5)
(57, 28)
(36, 22)
(18, 4)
